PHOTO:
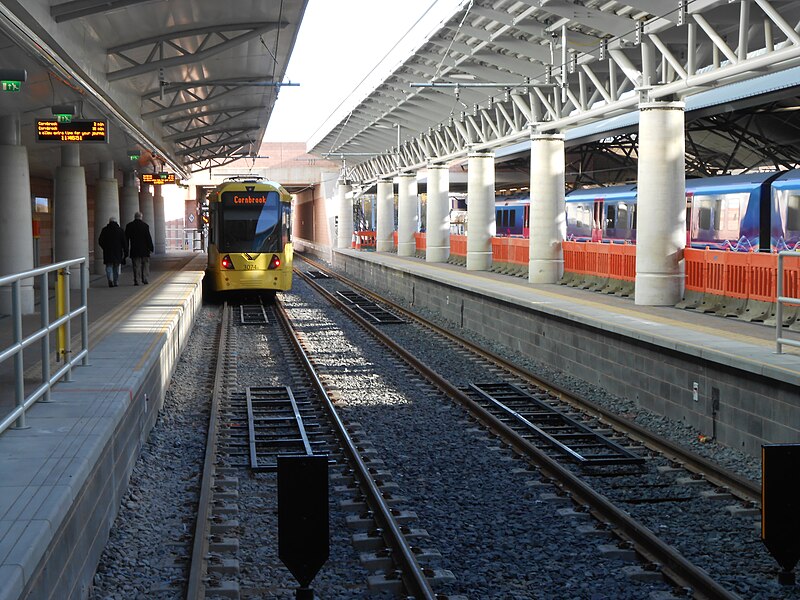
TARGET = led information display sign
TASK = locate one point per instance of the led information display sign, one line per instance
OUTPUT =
(50, 130)
(158, 178)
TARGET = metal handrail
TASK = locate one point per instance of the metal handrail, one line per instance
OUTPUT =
(779, 339)
(42, 335)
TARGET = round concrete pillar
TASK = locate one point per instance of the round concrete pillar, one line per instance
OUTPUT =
(16, 230)
(70, 212)
(548, 222)
(146, 205)
(661, 204)
(129, 199)
(437, 236)
(344, 236)
(385, 225)
(106, 205)
(407, 214)
(159, 224)
(481, 226)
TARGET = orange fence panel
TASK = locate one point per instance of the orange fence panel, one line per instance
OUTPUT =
(519, 252)
(695, 267)
(763, 277)
(500, 249)
(791, 277)
(366, 239)
(421, 241)
(622, 261)
(458, 245)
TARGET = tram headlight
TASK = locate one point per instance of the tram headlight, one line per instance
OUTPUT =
(275, 262)
(227, 263)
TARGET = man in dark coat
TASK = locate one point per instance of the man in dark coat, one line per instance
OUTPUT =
(112, 241)
(140, 245)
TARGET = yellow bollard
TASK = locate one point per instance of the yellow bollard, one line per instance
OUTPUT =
(61, 333)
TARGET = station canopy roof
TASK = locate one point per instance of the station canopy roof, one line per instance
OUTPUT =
(495, 68)
(183, 84)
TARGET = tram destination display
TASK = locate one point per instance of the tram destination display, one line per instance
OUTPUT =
(88, 130)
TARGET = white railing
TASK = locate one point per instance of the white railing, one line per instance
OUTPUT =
(779, 339)
(61, 325)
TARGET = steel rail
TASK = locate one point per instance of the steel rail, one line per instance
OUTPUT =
(739, 486)
(412, 573)
(195, 588)
(673, 564)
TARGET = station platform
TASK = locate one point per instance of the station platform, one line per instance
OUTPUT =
(62, 478)
(719, 375)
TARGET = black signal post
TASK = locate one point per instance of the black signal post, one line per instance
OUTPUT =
(303, 532)
(780, 506)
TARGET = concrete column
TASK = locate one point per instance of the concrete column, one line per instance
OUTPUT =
(16, 229)
(70, 212)
(481, 226)
(146, 206)
(437, 237)
(548, 226)
(661, 204)
(129, 199)
(385, 225)
(159, 224)
(106, 205)
(407, 214)
(344, 235)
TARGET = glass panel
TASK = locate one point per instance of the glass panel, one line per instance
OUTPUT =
(249, 222)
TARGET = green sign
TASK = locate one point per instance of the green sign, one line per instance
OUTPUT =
(64, 118)
(11, 86)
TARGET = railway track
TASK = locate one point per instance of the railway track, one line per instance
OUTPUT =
(635, 478)
(250, 427)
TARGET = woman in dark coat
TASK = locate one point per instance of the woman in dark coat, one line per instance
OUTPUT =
(112, 241)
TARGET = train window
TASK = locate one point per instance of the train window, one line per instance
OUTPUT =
(703, 218)
(611, 217)
(512, 218)
(622, 215)
(249, 222)
(579, 219)
(498, 217)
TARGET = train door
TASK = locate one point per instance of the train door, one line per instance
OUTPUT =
(689, 200)
(598, 220)
(526, 221)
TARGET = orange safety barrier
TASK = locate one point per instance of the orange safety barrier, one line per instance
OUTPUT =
(791, 277)
(365, 239)
(763, 277)
(500, 247)
(458, 245)
(572, 256)
(695, 269)
(394, 238)
(622, 262)
(519, 251)
(421, 241)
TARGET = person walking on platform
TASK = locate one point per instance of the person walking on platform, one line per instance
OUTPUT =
(140, 245)
(112, 241)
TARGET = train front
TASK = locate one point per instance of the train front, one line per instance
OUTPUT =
(250, 237)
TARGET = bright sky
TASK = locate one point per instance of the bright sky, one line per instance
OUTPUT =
(342, 44)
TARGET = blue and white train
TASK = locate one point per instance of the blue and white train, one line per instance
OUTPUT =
(754, 212)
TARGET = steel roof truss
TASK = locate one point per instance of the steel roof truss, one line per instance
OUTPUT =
(221, 36)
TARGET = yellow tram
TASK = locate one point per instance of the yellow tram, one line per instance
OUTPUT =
(249, 237)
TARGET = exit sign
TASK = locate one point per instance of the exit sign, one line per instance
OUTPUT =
(64, 118)
(11, 86)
